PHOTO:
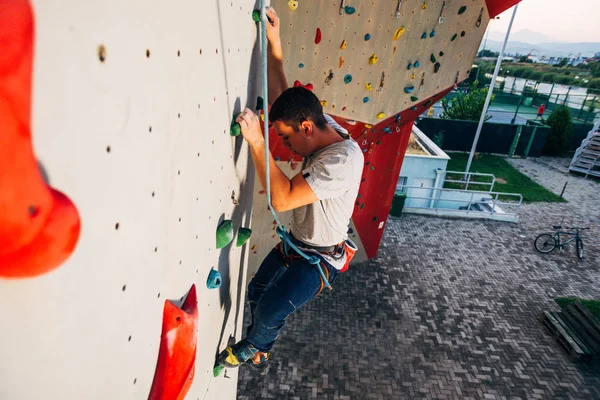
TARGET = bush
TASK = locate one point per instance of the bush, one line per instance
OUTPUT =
(466, 107)
(561, 129)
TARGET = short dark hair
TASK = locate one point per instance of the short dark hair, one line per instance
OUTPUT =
(296, 105)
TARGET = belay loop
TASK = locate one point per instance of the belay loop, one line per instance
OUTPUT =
(281, 231)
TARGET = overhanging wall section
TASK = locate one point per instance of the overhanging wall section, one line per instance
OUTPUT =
(132, 103)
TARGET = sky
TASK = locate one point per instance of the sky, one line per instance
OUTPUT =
(563, 21)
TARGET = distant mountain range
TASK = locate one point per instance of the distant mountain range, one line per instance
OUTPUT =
(525, 41)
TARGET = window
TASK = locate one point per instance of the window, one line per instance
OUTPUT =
(401, 185)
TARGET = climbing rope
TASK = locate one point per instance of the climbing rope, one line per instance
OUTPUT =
(281, 231)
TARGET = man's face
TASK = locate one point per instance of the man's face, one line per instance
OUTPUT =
(297, 141)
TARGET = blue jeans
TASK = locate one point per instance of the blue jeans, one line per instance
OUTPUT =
(276, 291)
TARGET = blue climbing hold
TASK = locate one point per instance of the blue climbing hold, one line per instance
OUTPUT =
(409, 89)
(414, 108)
(366, 100)
(367, 36)
(347, 78)
(277, 158)
(433, 33)
(398, 118)
(387, 130)
(409, 67)
(424, 35)
(301, 65)
(214, 280)
(349, 10)
(417, 64)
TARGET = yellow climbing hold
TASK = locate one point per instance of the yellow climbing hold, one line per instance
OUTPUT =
(341, 61)
(399, 32)
(262, 117)
(368, 126)
(324, 103)
(412, 76)
(231, 358)
(373, 59)
(380, 115)
(368, 86)
(424, 6)
(344, 45)
(293, 5)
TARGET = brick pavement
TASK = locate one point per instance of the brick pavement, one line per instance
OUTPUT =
(448, 310)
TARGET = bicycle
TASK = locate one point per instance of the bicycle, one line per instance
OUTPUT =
(546, 242)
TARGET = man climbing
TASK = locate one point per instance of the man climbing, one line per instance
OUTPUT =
(322, 198)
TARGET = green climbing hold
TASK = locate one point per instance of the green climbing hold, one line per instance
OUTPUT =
(235, 128)
(454, 37)
(224, 234)
(372, 168)
(349, 10)
(347, 78)
(414, 98)
(362, 206)
(218, 370)
(260, 103)
(432, 58)
(243, 236)
(256, 16)
(462, 10)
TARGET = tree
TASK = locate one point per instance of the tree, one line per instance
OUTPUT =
(523, 59)
(487, 53)
(466, 107)
(563, 62)
(561, 129)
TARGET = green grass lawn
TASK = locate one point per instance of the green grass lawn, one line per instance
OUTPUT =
(516, 182)
(593, 306)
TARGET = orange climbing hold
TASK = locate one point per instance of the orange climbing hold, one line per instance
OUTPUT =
(39, 226)
(176, 363)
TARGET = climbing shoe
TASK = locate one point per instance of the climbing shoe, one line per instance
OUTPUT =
(233, 356)
(261, 367)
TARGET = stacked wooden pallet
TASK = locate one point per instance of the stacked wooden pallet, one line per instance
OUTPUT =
(577, 330)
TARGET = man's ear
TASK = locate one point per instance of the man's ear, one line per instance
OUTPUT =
(306, 128)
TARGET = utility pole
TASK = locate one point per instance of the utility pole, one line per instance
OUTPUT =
(490, 91)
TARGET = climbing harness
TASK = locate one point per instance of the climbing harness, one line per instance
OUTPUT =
(281, 231)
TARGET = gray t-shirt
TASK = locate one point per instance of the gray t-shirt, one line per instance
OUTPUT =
(333, 173)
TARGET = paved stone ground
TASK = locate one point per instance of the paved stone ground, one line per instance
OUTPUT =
(448, 310)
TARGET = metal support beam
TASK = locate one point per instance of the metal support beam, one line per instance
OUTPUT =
(490, 90)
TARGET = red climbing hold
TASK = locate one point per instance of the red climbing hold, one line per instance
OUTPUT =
(318, 36)
(177, 354)
(308, 86)
(39, 226)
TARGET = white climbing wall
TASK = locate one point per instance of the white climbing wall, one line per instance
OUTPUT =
(346, 91)
(140, 142)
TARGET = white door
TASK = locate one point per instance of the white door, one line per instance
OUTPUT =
(422, 193)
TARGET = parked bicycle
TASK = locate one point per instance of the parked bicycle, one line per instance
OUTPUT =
(546, 242)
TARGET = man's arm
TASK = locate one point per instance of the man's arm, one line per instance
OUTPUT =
(286, 194)
(275, 76)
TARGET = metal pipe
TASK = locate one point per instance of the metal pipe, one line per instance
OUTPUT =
(490, 90)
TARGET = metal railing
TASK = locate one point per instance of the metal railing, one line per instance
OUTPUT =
(491, 200)
(467, 179)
